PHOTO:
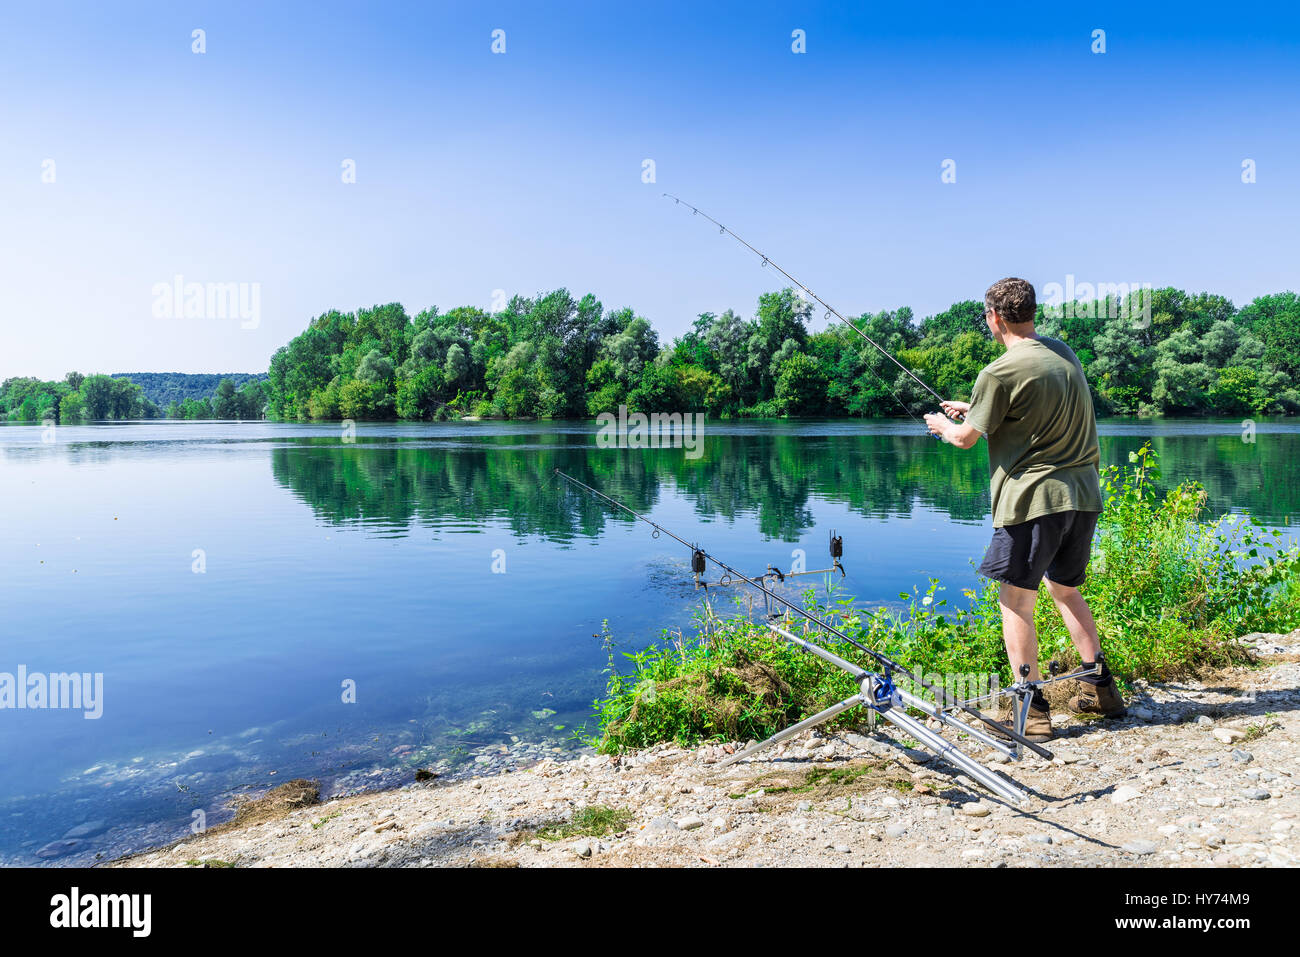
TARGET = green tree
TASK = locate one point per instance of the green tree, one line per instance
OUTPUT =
(1275, 320)
(801, 386)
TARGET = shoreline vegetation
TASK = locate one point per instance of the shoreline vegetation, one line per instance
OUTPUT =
(1171, 591)
(1152, 352)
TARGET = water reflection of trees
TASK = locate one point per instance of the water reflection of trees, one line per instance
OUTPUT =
(773, 478)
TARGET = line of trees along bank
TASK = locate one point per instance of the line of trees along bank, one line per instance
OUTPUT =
(555, 356)
(89, 398)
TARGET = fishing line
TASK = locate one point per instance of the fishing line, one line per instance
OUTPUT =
(830, 310)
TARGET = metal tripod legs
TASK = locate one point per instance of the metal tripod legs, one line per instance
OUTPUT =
(890, 708)
(904, 722)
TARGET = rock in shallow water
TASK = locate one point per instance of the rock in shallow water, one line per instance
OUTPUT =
(87, 829)
(57, 849)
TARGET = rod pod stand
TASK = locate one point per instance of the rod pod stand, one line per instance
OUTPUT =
(875, 701)
(1023, 691)
(878, 693)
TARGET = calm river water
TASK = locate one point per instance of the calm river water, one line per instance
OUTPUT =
(235, 583)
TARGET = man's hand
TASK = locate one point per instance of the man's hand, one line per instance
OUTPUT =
(937, 423)
(962, 436)
(955, 409)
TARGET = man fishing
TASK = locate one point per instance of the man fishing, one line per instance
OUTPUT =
(1033, 405)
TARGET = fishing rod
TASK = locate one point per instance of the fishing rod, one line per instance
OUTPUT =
(938, 712)
(830, 310)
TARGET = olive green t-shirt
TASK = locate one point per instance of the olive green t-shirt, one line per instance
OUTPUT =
(1033, 405)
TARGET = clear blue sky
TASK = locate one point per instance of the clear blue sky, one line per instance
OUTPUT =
(522, 171)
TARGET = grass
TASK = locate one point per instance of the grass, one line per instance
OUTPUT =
(1258, 729)
(1170, 589)
(278, 802)
(593, 821)
(821, 777)
(828, 783)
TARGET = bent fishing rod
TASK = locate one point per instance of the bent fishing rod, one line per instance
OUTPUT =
(830, 310)
(699, 555)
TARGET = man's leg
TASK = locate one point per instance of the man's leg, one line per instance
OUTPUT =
(1018, 629)
(1078, 619)
(1022, 649)
(1020, 553)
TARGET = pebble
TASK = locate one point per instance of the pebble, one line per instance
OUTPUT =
(1124, 793)
(1255, 794)
(1210, 801)
(895, 830)
(1228, 735)
(1039, 838)
(1140, 846)
(690, 822)
(582, 849)
(978, 809)
(1204, 719)
(1244, 757)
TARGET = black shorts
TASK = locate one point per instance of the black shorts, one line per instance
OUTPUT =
(1057, 545)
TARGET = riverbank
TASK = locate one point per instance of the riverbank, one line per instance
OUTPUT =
(1201, 773)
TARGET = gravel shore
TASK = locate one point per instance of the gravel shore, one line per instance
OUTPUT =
(1200, 773)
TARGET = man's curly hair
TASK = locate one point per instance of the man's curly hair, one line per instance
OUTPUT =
(1012, 299)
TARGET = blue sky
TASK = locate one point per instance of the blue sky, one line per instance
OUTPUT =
(522, 171)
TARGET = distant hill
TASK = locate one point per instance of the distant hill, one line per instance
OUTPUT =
(164, 388)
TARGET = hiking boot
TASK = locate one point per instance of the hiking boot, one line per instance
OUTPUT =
(1102, 699)
(1038, 725)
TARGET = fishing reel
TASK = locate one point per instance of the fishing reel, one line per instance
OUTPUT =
(880, 692)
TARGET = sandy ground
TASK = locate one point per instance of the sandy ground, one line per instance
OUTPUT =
(1199, 774)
